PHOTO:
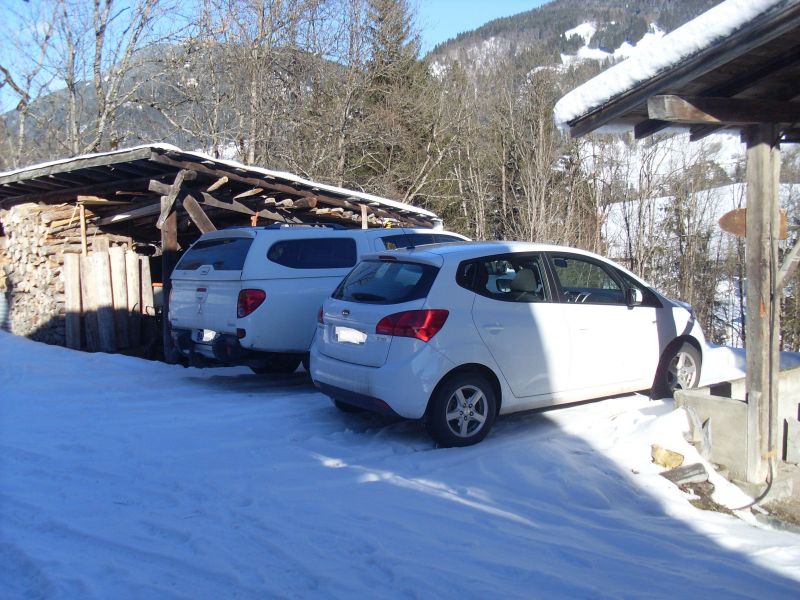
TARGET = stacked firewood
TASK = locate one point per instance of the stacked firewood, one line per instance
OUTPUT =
(37, 237)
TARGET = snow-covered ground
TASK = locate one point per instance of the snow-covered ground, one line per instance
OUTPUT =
(121, 478)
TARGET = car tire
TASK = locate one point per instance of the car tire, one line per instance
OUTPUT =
(461, 411)
(679, 369)
(277, 363)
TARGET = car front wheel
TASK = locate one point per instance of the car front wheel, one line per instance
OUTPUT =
(679, 370)
(461, 411)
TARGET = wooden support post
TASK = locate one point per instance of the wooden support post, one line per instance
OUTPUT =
(89, 305)
(104, 297)
(72, 300)
(134, 287)
(169, 256)
(763, 306)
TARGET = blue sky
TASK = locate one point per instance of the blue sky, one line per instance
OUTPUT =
(440, 20)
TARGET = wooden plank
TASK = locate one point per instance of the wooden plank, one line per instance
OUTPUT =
(98, 200)
(235, 206)
(217, 184)
(148, 301)
(697, 110)
(168, 200)
(89, 305)
(134, 213)
(199, 217)
(119, 294)
(72, 300)
(253, 192)
(84, 248)
(134, 288)
(104, 301)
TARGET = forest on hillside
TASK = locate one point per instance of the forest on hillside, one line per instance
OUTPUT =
(336, 91)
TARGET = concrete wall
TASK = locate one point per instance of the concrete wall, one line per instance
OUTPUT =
(724, 406)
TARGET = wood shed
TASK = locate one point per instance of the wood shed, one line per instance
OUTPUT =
(87, 243)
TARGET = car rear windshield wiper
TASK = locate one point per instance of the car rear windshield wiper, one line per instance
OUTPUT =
(368, 297)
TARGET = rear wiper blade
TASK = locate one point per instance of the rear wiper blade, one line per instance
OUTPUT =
(363, 296)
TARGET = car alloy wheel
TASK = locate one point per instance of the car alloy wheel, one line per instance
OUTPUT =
(462, 410)
(683, 370)
(679, 370)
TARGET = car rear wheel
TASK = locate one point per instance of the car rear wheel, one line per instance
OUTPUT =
(679, 370)
(462, 410)
(277, 363)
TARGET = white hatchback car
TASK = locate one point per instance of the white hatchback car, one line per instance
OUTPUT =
(456, 334)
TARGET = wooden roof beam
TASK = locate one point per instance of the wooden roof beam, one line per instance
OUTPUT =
(698, 110)
(267, 184)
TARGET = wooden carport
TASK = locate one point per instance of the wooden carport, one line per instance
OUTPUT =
(737, 67)
(163, 198)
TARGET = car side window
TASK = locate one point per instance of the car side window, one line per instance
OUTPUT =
(314, 253)
(509, 278)
(584, 281)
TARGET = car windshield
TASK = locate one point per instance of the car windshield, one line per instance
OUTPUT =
(386, 282)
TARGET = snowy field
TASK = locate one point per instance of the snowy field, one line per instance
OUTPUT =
(121, 478)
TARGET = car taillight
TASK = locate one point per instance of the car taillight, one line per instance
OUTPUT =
(321, 316)
(420, 324)
(249, 300)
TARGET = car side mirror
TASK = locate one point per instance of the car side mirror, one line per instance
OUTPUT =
(633, 297)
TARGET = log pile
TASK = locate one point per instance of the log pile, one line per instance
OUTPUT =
(37, 240)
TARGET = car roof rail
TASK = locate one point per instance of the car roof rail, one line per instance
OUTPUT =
(337, 226)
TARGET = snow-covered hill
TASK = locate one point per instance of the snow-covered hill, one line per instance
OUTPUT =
(121, 478)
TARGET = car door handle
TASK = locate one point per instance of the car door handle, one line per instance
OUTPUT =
(493, 327)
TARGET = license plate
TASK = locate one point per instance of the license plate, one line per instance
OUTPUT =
(350, 336)
(204, 335)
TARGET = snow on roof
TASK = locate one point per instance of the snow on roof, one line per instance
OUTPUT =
(650, 60)
(307, 183)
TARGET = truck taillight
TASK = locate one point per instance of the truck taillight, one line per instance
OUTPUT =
(420, 324)
(248, 301)
(321, 316)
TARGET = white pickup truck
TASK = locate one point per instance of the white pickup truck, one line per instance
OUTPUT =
(251, 295)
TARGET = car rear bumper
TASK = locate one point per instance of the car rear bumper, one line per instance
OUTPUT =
(404, 383)
(224, 348)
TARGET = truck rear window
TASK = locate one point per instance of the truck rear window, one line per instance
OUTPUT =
(386, 282)
(224, 254)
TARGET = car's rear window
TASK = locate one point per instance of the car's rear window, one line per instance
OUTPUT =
(386, 282)
(224, 254)
(314, 253)
(408, 240)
